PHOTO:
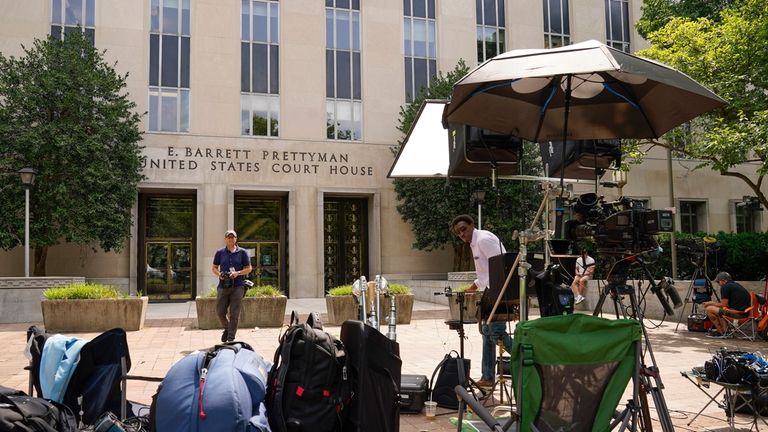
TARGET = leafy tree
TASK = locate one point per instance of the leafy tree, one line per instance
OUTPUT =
(728, 56)
(657, 13)
(63, 111)
(429, 205)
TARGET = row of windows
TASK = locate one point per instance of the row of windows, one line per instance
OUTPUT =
(170, 39)
(693, 216)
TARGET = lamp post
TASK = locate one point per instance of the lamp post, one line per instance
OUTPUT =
(28, 179)
(479, 196)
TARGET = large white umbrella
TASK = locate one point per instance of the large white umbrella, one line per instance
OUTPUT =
(581, 91)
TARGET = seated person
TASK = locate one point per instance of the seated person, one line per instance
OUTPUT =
(734, 300)
(585, 266)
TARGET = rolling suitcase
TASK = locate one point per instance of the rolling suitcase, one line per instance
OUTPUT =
(414, 391)
(374, 362)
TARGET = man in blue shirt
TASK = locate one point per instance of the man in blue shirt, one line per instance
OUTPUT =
(230, 264)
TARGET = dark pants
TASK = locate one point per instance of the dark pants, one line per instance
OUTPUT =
(229, 298)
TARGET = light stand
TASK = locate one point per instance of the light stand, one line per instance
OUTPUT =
(28, 179)
(479, 197)
(700, 271)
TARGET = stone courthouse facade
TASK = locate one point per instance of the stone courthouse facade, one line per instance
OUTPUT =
(277, 119)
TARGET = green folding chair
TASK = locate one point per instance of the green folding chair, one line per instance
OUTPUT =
(575, 369)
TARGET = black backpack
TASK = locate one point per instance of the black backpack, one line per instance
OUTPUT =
(308, 386)
(22, 413)
(442, 389)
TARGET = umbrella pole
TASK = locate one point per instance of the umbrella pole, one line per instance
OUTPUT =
(566, 111)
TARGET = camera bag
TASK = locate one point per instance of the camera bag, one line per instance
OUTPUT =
(215, 390)
(447, 372)
(309, 383)
(375, 370)
(19, 412)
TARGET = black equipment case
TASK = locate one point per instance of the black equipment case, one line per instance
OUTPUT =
(375, 365)
(414, 391)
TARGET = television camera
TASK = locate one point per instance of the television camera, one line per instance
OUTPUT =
(623, 230)
(621, 227)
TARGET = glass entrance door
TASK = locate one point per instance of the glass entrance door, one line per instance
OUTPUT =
(345, 234)
(166, 261)
(261, 226)
(265, 259)
(169, 270)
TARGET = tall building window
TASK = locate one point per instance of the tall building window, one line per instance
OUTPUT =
(343, 105)
(692, 215)
(557, 27)
(260, 68)
(490, 28)
(169, 38)
(419, 44)
(73, 15)
(747, 214)
(617, 24)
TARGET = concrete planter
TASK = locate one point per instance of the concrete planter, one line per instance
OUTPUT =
(94, 315)
(255, 312)
(342, 308)
(471, 301)
(404, 306)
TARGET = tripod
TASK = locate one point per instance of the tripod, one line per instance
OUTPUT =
(647, 379)
(464, 379)
(699, 273)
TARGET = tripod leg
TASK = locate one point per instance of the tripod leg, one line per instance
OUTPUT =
(601, 301)
(688, 296)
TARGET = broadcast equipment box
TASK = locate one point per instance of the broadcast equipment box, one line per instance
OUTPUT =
(477, 152)
(698, 323)
(414, 390)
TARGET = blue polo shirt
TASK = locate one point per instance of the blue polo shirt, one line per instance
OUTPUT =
(226, 260)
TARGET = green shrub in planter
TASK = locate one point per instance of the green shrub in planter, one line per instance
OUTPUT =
(257, 291)
(398, 289)
(88, 307)
(83, 291)
(461, 289)
(263, 291)
(262, 306)
(343, 290)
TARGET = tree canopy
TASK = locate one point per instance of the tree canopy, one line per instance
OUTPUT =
(64, 112)
(429, 205)
(725, 52)
(658, 13)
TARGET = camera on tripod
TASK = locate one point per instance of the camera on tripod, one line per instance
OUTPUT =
(618, 227)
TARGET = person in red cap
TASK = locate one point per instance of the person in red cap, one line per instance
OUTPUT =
(230, 264)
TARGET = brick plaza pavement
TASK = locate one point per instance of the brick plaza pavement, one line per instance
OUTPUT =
(170, 333)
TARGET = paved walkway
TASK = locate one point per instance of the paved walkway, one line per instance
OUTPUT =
(170, 334)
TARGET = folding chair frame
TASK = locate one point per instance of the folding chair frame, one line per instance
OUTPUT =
(746, 327)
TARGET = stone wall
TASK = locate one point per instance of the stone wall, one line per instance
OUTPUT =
(20, 297)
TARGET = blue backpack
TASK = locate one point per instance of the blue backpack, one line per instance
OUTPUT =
(219, 390)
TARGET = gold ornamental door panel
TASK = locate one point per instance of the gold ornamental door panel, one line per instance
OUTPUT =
(345, 245)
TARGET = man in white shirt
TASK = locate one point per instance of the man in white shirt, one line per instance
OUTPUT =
(585, 267)
(484, 244)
